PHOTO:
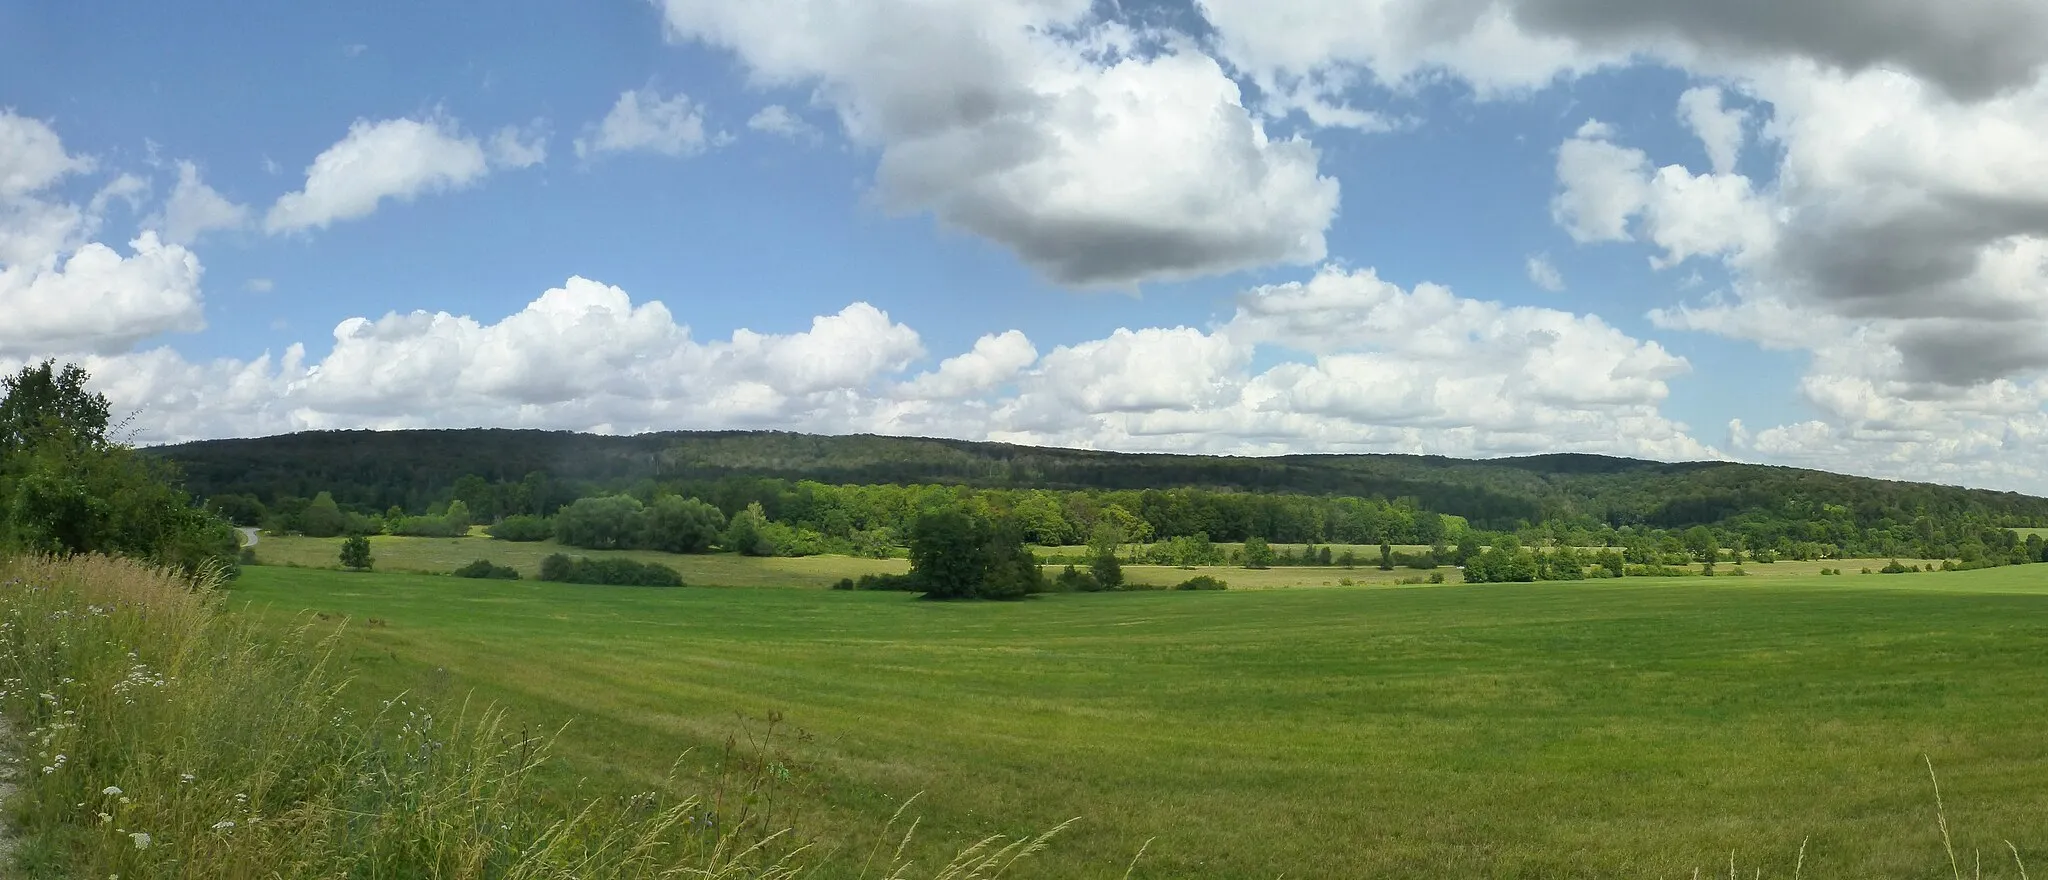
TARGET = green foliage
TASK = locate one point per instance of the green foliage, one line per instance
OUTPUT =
(1202, 582)
(957, 555)
(355, 553)
(65, 488)
(609, 522)
(484, 568)
(1894, 567)
(522, 528)
(452, 524)
(620, 572)
(322, 518)
(748, 535)
(1106, 571)
(681, 525)
(241, 510)
(1258, 553)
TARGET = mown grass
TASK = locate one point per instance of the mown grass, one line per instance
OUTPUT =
(156, 736)
(1641, 728)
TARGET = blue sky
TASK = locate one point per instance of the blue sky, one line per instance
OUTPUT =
(1476, 228)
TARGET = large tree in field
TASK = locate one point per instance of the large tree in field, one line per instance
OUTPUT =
(65, 487)
(681, 525)
(957, 555)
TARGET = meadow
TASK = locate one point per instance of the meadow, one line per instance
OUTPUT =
(1643, 727)
(443, 555)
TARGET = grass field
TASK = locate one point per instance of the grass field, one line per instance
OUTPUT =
(442, 555)
(1637, 728)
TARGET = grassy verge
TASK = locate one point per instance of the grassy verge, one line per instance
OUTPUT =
(161, 737)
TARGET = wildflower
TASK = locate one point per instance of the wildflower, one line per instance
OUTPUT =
(224, 825)
(141, 838)
(111, 789)
(186, 777)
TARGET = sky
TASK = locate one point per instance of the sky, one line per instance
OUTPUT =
(1800, 232)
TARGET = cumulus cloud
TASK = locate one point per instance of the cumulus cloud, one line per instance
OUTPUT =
(1097, 157)
(195, 209)
(643, 120)
(1364, 366)
(62, 291)
(397, 159)
(1970, 50)
(996, 358)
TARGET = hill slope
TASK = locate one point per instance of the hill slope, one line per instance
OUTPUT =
(378, 469)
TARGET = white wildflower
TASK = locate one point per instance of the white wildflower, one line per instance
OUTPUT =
(111, 789)
(141, 838)
(224, 825)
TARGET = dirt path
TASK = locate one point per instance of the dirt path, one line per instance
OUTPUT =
(249, 537)
(10, 770)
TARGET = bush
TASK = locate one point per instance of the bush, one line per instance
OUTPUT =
(484, 568)
(1895, 568)
(889, 583)
(355, 553)
(524, 528)
(1202, 582)
(616, 572)
(844, 584)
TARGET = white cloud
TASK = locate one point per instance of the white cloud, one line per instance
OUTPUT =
(393, 159)
(260, 285)
(1604, 185)
(1370, 367)
(643, 120)
(1544, 274)
(62, 292)
(98, 300)
(1036, 126)
(513, 147)
(778, 120)
(32, 157)
(195, 209)
(1719, 128)
(996, 358)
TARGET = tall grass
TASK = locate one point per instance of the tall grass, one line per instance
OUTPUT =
(157, 736)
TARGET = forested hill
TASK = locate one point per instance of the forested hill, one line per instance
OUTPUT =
(413, 469)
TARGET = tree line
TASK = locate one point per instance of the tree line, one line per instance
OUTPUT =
(68, 486)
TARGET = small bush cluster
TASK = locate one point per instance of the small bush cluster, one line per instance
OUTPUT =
(522, 528)
(562, 568)
(484, 568)
(893, 583)
(1202, 582)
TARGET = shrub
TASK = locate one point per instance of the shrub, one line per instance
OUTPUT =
(616, 572)
(1202, 582)
(892, 583)
(355, 553)
(1436, 577)
(1895, 568)
(844, 584)
(523, 528)
(1074, 580)
(484, 568)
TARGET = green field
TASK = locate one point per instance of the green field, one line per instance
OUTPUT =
(442, 555)
(1637, 728)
